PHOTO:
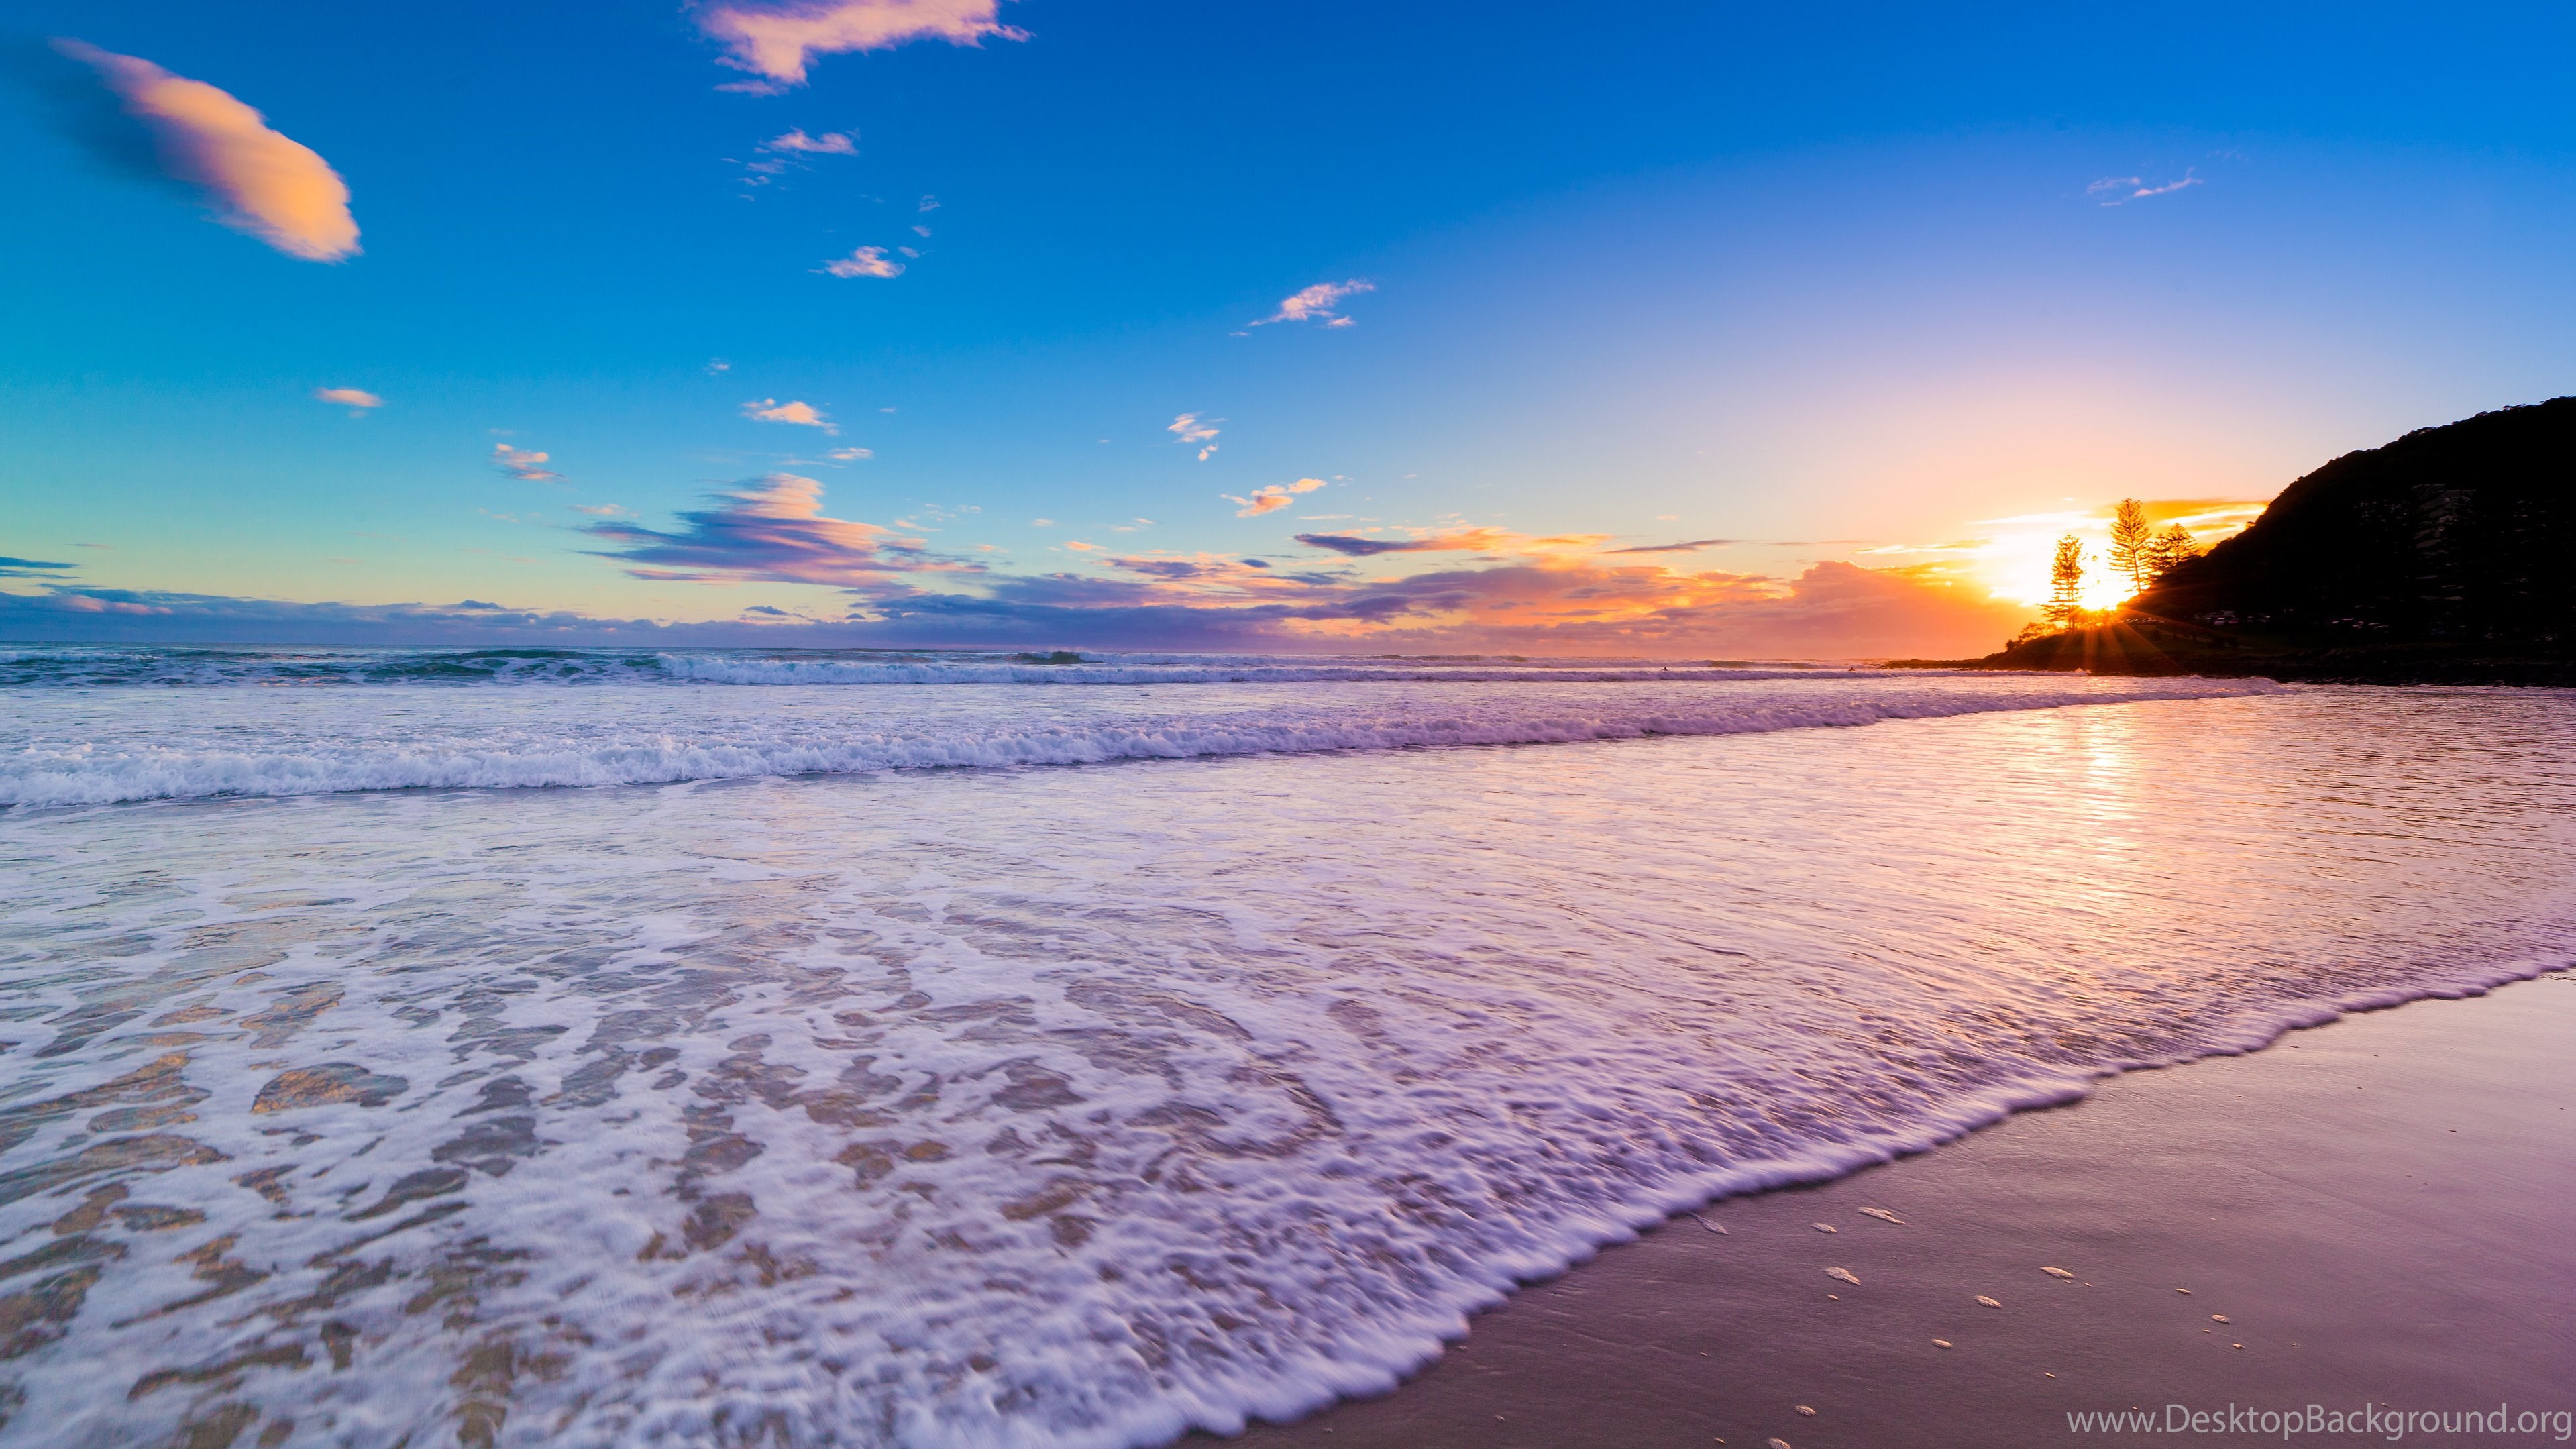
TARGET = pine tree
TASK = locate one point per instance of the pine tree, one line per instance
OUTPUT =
(2066, 584)
(2133, 545)
(2167, 549)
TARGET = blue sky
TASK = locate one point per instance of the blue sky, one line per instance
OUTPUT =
(1872, 295)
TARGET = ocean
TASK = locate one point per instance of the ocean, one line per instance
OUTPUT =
(724, 1047)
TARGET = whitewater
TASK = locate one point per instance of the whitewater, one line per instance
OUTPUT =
(655, 1048)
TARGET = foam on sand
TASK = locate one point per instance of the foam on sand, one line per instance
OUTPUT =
(1081, 1107)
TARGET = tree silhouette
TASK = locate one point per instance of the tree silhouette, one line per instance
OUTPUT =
(2167, 549)
(2066, 583)
(2133, 545)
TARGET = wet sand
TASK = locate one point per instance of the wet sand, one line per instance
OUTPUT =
(2381, 1208)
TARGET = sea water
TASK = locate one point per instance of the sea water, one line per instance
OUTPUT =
(637, 1048)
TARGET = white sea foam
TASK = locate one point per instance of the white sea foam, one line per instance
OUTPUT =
(94, 748)
(1081, 1107)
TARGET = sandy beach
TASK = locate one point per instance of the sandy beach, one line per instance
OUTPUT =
(2368, 1214)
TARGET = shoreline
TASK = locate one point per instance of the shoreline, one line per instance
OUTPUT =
(2248, 1178)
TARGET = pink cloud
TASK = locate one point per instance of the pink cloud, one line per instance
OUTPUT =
(865, 262)
(1272, 498)
(830, 143)
(356, 399)
(523, 464)
(773, 528)
(1317, 303)
(778, 42)
(1189, 429)
(1477, 539)
(274, 188)
(802, 414)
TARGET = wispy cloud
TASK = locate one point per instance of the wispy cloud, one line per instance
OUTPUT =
(1189, 429)
(261, 182)
(2119, 190)
(601, 510)
(865, 262)
(523, 464)
(356, 399)
(778, 42)
(1694, 546)
(802, 414)
(32, 568)
(772, 528)
(849, 455)
(1272, 498)
(1318, 303)
(1452, 540)
(830, 143)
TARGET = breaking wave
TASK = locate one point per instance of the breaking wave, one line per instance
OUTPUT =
(321, 750)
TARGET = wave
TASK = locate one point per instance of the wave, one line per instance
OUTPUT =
(74, 667)
(564, 752)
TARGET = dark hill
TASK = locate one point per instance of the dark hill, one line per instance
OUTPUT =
(2462, 534)
(2448, 556)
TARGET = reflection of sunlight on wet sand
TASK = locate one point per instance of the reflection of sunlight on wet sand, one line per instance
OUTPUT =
(1025, 1102)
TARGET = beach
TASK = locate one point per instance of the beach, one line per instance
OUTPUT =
(843, 1051)
(2376, 1208)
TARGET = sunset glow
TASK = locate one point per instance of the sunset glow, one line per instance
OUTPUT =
(1559, 407)
(1041, 724)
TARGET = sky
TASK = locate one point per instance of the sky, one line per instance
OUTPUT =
(1674, 330)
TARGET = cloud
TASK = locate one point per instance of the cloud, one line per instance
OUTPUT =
(1460, 540)
(778, 42)
(1189, 429)
(31, 568)
(802, 414)
(274, 188)
(771, 528)
(601, 510)
(2115, 190)
(850, 455)
(865, 262)
(356, 399)
(1271, 498)
(1316, 304)
(523, 464)
(1694, 546)
(830, 143)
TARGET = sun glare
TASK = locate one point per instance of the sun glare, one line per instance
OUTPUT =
(2013, 561)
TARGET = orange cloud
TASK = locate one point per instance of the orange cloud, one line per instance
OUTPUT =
(277, 189)
(778, 42)
(1266, 500)
(1541, 603)
(356, 399)
(802, 414)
